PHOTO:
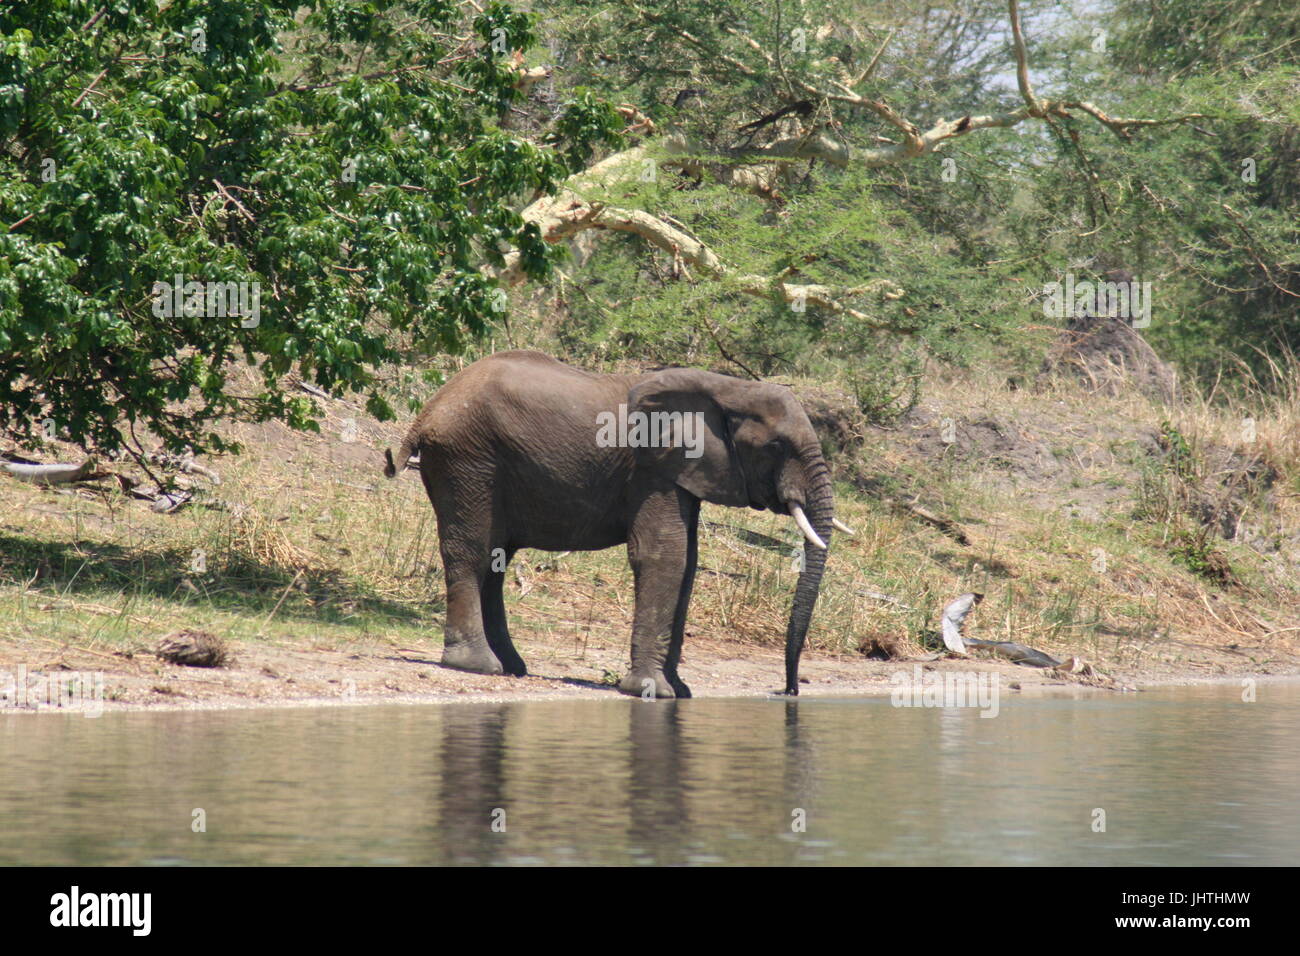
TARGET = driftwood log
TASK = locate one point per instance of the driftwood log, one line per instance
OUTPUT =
(46, 475)
(953, 616)
(162, 501)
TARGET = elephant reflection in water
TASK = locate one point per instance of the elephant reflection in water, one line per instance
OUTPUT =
(473, 806)
(501, 794)
(485, 814)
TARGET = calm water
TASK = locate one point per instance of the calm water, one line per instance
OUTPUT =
(1188, 776)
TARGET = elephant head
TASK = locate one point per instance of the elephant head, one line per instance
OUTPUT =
(757, 448)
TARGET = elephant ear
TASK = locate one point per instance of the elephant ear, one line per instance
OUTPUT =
(703, 460)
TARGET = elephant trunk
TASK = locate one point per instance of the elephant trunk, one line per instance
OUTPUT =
(820, 514)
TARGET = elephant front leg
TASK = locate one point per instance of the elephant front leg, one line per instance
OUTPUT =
(661, 549)
(683, 604)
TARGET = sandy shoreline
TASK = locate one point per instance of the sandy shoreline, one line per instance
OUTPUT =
(280, 676)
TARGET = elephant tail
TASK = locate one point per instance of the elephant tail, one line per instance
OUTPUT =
(410, 445)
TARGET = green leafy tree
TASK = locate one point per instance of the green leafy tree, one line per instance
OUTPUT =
(336, 173)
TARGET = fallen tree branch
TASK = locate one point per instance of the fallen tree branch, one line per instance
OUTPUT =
(46, 475)
(881, 596)
(946, 525)
(951, 620)
(950, 624)
(184, 463)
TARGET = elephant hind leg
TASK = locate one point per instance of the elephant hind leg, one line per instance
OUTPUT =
(492, 598)
(465, 641)
(465, 644)
(462, 503)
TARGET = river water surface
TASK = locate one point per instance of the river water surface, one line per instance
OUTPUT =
(1184, 776)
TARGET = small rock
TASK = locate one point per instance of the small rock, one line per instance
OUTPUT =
(881, 647)
(193, 649)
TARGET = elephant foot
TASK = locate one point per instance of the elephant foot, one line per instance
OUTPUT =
(467, 657)
(650, 685)
(511, 662)
(515, 666)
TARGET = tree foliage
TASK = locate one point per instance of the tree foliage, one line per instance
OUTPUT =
(370, 168)
(351, 162)
(1205, 208)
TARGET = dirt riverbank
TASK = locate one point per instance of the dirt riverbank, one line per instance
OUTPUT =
(296, 675)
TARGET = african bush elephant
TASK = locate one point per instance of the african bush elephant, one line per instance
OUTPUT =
(519, 450)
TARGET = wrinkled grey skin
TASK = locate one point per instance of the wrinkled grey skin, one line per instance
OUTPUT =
(509, 457)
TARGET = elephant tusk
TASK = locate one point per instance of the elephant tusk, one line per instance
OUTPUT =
(841, 526)
(806, 527)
